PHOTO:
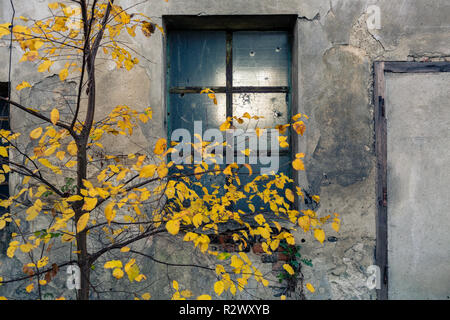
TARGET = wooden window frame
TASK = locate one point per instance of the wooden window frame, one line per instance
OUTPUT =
(380, 70)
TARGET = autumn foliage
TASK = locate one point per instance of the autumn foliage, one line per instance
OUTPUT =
(65, 200)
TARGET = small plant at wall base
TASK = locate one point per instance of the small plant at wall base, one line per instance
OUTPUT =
(74, 202)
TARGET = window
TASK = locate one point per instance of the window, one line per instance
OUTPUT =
(249, 71)
(4, 124)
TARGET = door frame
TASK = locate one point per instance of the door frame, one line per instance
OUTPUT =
(380, 69)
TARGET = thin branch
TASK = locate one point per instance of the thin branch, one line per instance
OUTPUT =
(37, 114)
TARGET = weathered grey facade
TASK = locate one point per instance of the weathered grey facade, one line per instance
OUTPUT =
(333, 57)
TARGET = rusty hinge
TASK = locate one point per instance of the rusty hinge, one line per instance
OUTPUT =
(381, 106)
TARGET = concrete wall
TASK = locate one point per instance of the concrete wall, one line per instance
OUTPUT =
(335, 53)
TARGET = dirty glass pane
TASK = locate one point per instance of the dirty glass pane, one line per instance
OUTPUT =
(272, 106)
(260, 58)
(197, 58)
(187, 108)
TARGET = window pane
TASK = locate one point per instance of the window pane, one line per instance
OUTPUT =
(260, 58)
(187, 108)
(197, 58)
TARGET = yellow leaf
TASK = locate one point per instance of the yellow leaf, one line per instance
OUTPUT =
(36, 133)
(204, 297)
(282, 141)
(260, 219)
(219, 287)
(298, 164)
(146, 296)
(249, 168)
(310, 287)
(319, 235)
(299, 127)
(45, 66)
(140, 277)
(60, 155)
(71, 164)
(26, 247)
(72, 148)
(160, 146)
(316, 198)
(336, 224)
(143, 118)
(198, 172)
(197, 220)
(125, 249)
(224, 126)
(54, 116)
(289, 269)
(289, 195)
(175, 285)
(89, 203)
(74, 198)
(82, 222)
(118, 273)
(4, 29)
(132, 271)
(304, 222)
(173, 226)
(162, 170)
(246, 152)
(110, 213)
(131, 31)
(148, 28)
(63, 74)
(23, 85)
(29, 288)
(42, 262)
(3, 152)
(147, 171)
(42, 282)
(186, 293)
(53, 5)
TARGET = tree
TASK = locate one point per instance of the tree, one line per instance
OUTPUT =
(74, 194)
